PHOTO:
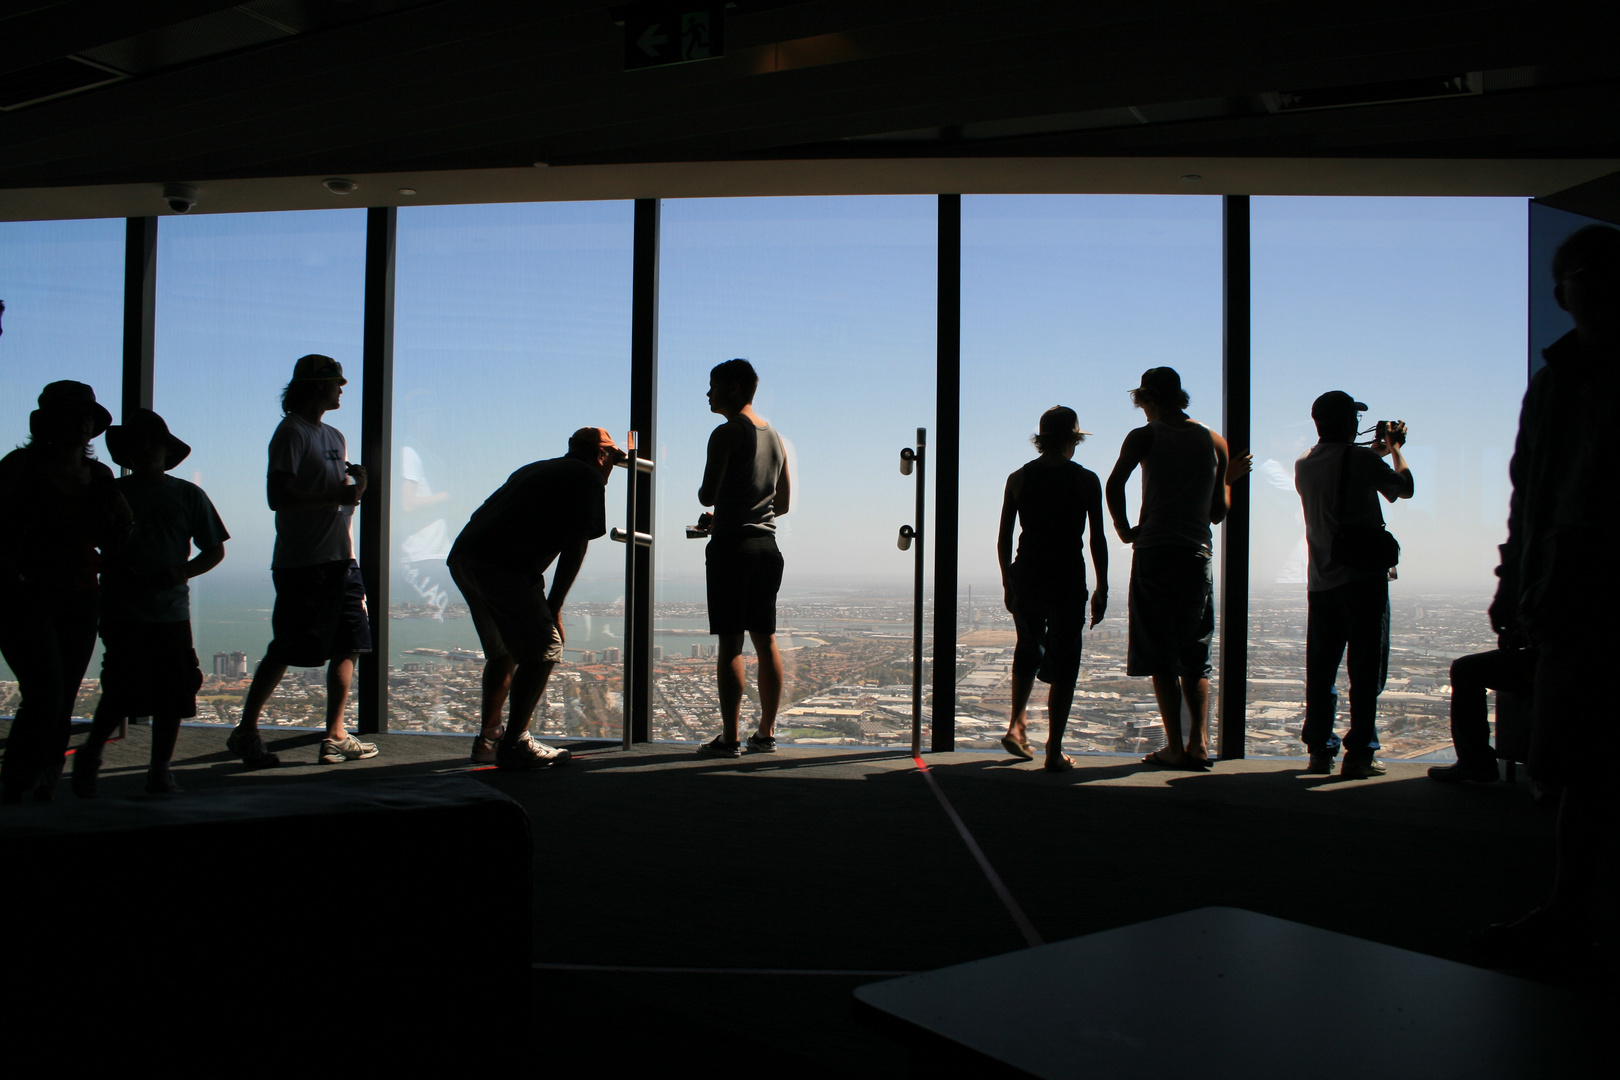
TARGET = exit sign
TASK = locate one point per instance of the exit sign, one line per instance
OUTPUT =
(660, 34)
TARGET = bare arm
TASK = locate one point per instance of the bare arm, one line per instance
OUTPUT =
(412, 499)
(1099, 563)
(569, 560)
(1398, 462)
(1228, 470)
(205, 560)
(1004, 538)
(784, 493)
(1131, 453)
(714, 470)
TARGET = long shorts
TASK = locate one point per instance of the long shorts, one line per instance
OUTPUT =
(1172, 613)
(148, 669)
(509, 611)
(1049, 641)
(743, 577)
(320, 614)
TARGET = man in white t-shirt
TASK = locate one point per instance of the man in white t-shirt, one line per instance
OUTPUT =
(320, 613)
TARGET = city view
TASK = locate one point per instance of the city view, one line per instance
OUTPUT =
(848, 678)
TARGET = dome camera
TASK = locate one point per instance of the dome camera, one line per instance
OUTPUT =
(339, 186)
(180, 197)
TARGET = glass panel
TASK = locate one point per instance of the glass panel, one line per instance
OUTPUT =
(239, 298)
(833, 301)
(63, 286)
(1066, 300)
(512, 330)
(1416, 307)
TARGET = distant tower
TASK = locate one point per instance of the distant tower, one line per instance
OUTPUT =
(222, 663)
(239, 664)
(658, 652)
(697, 650)
(612, 656)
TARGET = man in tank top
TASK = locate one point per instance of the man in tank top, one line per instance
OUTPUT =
(1187, 477)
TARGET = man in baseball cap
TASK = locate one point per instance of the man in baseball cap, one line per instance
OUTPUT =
(547, 511)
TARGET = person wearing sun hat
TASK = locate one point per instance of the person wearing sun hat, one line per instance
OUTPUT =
(148, 664)
(320, 614)
(64, 515)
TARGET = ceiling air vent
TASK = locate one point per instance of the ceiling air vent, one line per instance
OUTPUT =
(1384, 93)
(56, 79)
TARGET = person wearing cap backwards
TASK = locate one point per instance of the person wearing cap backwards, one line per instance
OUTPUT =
(1347, 609)
(1187, 477)
(148, 664)
(1557, 594)
(320, 613)
(547, 511)
(65, 515)
(1044, 586)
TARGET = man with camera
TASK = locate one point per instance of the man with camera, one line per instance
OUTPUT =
(320, 613)
(1351, 562)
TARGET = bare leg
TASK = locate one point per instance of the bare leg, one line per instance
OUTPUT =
(1167, 688)
(339, 677)
(770, 682)
(528, 683)
(1196, 692)
(1022, 687)
(265, 681)
(497, 685)
(728, 672)
(1059, 699)
(165, 732)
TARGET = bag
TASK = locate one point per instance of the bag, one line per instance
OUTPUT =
(1364, 545)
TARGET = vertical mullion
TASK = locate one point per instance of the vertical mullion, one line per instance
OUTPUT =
(140, 313)
(947, 469)
(376, 454)
(1232, 710)
(643, 421)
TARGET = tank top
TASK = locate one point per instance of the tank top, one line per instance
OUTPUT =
(1178, 482)
(1052, 505)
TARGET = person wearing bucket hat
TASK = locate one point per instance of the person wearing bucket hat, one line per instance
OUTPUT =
(66, 515)
(1187, 477)
(148, 665)
(547, 512)
(320, 613)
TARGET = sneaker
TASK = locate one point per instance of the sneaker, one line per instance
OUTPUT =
(483, 751)
(86, 764)
(350, 749)
(160, 781)
(1460, 773)
(526, 753)
(720, 748)
(762, 744)
(1320, 765)
(249, 746)
(1361, 768)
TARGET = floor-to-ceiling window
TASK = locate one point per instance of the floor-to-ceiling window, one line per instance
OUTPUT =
(512, 329)
(240, 297)
(1416, 307)
(1066, 300)
(63, 286)
(833, 301)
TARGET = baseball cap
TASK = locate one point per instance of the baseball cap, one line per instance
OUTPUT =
(587, 440)
(317, 368)
(1334, 404)
(1160, 384)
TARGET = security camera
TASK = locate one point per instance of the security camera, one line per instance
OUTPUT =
(180, 197)
(339, 186)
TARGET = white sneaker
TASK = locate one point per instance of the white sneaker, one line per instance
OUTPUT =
(350, 749)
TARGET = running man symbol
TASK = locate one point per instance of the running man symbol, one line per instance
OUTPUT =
(695, 35)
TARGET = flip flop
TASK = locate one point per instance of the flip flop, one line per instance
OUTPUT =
(1017, 749)
(1189, 765)
(1064, 764)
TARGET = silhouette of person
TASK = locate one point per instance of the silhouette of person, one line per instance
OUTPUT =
(1187, 477)
(1506, 668)
(548, 511)
(746, 481)
(1347, 609)
(1556, 587)
(148, 664)
(320, 613)
(1044, 586)
(67, 515)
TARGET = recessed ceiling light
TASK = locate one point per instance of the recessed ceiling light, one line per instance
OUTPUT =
(542, 165)
(407, 191)
(1192, 178)
(339, 186)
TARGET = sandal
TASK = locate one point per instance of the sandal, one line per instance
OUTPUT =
(1187, 764)
(1063, 764)
(1017, 749)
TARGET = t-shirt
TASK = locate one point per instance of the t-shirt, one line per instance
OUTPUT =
(744, 505)
(1052, 503)
(542, 508)
(52, 536)
(316, 456)
(170, 516)
(1316, 478)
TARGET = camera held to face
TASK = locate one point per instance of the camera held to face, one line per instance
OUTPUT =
(1390, 433)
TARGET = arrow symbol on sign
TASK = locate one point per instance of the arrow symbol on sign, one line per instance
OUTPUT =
(648, 44)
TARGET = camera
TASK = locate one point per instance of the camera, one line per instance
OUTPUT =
(180, 197)
(1391, 433)
(700, 531)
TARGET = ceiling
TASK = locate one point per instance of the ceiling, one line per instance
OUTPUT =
(458, 100)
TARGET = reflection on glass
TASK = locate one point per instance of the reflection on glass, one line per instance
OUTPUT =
(240, 297)
(833, 301)
(1066, 300)
(512, 331)
(1416, 307)
(63, 286)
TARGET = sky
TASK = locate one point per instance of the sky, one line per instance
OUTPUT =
(513, 329)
